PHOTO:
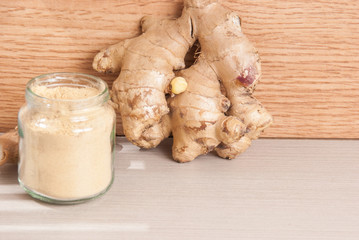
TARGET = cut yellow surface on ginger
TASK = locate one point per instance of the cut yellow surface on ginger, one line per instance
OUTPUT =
(178, 85)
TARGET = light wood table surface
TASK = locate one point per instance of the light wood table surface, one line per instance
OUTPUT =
(278, 189)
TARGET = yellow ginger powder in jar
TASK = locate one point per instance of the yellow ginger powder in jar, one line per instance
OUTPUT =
(66, 138)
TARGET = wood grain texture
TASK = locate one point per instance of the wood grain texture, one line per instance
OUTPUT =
(309, 51)
(270, 192)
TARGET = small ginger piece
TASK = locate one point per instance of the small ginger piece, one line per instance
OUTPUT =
(178, 85)
(9, 147)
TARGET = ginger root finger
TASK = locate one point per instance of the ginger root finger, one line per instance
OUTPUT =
(252, 113)
(9, 147)
(230, 130)
(109, 60)
(231, 151)
(146, 64)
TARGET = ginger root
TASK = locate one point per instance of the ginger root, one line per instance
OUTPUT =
(211, 106)
(9, 147)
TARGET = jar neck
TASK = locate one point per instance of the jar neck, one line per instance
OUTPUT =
(74, 91)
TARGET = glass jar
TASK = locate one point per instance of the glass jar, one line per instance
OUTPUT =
(67, 138)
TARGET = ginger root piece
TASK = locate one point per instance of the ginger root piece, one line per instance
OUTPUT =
(178, 85)
(9, 147)
(147, 63)
(197, 115)
(236, 64)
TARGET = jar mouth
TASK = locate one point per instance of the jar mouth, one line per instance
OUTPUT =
(68, 79)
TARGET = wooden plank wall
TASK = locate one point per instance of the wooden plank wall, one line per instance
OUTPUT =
(309, 51)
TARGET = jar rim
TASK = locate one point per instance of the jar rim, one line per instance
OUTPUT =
(102, 96)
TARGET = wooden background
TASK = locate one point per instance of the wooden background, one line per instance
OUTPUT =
(309, 51)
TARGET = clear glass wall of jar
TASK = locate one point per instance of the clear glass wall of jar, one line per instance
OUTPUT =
(67, 138)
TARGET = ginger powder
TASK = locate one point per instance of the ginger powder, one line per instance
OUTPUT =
(67, 134)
